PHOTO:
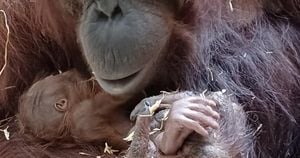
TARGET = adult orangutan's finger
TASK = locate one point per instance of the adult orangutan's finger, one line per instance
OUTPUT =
(202, 119)
(194, 125)
(201, 100)
(207, 110)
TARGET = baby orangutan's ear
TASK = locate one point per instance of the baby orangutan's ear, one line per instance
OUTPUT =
(61, 105)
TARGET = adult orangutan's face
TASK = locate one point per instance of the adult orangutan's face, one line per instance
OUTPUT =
(123, 40)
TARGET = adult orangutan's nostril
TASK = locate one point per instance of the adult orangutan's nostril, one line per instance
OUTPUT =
(117, 12)
(110, 8)
(102, 16)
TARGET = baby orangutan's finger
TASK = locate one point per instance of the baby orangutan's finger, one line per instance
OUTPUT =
(194, 125)
(202, 119)
(207, 110)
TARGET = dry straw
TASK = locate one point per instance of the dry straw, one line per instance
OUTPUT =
(6, 43)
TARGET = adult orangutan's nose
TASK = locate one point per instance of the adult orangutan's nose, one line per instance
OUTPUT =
(110, 8)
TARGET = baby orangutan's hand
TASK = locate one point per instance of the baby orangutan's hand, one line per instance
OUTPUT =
(187, 115)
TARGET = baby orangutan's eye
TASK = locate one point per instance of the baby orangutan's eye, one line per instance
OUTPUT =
(61, 105)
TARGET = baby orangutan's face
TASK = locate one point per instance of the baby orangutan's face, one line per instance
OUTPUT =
(43, 109)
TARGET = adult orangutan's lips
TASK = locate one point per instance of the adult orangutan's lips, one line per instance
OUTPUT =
(124, 80)
(117, 76)
(117, 85)
(127, 85)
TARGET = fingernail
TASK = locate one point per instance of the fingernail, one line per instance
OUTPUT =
(206, 134)
(209, 107)
(217, 115)
(212, 103)
(216, 125)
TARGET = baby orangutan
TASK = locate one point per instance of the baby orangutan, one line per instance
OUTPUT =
(69, 108)
(197, 129)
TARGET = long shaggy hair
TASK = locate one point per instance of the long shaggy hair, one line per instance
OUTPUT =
(36, 46)
(250, 48)
(250, 52)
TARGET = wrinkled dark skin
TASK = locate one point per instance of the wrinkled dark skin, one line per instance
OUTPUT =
(125, 67)
(68, 108)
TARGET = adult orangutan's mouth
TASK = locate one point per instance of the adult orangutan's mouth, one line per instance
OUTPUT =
(122, 81)
(125, 85)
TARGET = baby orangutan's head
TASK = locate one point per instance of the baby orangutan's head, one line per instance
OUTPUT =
(45, 109)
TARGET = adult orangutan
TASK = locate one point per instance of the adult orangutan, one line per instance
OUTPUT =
(249, 48)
